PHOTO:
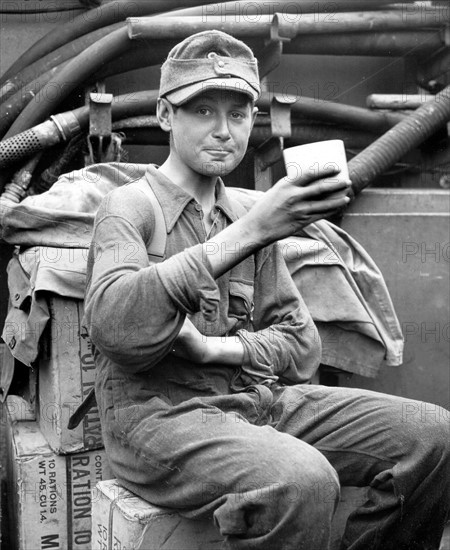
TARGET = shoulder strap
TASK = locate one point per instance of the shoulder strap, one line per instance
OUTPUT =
(156, 248)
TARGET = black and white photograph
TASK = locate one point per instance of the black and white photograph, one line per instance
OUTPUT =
(224, 275)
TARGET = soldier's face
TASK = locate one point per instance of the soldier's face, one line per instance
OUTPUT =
(210, 133)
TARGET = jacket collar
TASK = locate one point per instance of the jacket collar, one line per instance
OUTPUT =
(173, 199)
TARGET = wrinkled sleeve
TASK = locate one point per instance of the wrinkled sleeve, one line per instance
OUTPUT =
(134, 310)
(286, 341)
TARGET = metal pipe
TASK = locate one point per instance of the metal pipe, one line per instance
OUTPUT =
(372, 21)
(156, 28)
(243, 8)
(406, 135)
(285, 25)
(397, 101)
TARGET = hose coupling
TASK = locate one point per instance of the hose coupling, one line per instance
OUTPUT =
(67, 124)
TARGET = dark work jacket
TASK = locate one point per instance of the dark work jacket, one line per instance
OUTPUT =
(134, 309)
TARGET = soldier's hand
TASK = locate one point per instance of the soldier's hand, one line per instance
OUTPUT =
(293, 203)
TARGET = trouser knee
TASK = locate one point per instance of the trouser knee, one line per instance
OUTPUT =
(429, 425)
(317, 488)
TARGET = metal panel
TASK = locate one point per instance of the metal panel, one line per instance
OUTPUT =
(407, 233)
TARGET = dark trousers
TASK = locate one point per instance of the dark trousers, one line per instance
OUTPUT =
(269, 463)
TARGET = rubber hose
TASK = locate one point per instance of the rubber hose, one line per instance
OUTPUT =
(345, 45)
(363, 168)
(27, 143)
(395, 143)
(144, 103)
(337, 113)
(91, 20)
(102, 51)
(49, 61)
(64, 126)
(76, 71)
(13, 106)
(88, 61)
(308, 23)
(69, 50)
(114, 12)
(123, 106)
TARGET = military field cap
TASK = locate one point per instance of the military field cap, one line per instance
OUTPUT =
(209, 59)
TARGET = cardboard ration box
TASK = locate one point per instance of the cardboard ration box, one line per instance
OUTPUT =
(20, 409)
(66, 375)
(123, 521)
(49, 495)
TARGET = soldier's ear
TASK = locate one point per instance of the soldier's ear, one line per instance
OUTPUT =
(164, 113)
(254, 113)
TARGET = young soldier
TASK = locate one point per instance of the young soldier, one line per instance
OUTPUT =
(203, 359)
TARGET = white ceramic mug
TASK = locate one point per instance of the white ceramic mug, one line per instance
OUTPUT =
(313, 157)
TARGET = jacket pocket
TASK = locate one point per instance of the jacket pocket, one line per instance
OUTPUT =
(241, 304)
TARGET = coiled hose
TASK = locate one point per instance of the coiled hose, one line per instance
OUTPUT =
(113, 12)
(102, 16)
(152, 28)
(56, 57)
(400, 139)
(76, 71)
(64, 126)
(363, 168)
(111, 46)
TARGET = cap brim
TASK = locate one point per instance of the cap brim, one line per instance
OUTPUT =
(178, 97)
